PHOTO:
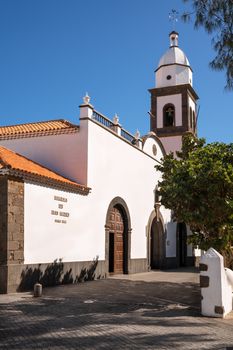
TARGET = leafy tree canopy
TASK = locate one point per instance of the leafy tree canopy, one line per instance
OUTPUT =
(216, 17)
(198, 187)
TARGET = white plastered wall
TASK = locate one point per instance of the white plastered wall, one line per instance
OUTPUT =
(46, 240)
(192, 104)
(149, 145)
(65, 153)
(172, 143)
(115, 169)
(179, 75)
(169, 226)
(123, 171)
(176, 100)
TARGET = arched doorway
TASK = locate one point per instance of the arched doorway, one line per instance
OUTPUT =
(117, 237)
(157, 245)
(181, 244)
(116, 241)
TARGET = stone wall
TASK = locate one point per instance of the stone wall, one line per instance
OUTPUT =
(3, 234)
(11, 231)
(15, 253)
(3, 220)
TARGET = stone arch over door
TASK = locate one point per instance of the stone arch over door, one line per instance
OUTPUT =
(156, 241)
(117, 237)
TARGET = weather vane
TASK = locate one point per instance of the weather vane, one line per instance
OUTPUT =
(173, 17)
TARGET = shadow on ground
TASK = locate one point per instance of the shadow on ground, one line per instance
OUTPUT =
(107, 314)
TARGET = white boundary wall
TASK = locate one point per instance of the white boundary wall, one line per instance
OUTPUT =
(215, 290)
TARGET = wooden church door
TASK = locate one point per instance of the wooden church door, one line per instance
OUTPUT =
(116, 242)
(157, 253)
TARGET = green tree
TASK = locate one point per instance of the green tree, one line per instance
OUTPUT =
(216, 17)
(198, 187)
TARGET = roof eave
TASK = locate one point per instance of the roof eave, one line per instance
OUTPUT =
(46, 181)
(71, 130)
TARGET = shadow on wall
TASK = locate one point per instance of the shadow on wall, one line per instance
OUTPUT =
(54, 275)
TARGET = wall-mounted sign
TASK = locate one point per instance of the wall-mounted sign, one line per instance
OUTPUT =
(58, 213)
(60, 199)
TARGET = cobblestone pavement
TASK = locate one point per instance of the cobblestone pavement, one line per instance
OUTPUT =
(144, 311)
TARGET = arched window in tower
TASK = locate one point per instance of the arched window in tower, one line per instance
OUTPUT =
(169, 115)
(191, 117)
(194, 121)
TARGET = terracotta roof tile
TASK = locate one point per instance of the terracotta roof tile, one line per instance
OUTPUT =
(15, 162)
(37, 129)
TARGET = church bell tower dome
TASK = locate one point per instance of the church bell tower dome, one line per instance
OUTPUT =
(173, 67)
(173, 99)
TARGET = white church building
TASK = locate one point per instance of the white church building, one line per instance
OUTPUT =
(84, 195)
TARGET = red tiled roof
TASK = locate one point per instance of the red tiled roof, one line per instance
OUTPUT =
(19, 165)
(51, 127)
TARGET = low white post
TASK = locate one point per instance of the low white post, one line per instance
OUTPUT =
(215, 289)
(37, 290)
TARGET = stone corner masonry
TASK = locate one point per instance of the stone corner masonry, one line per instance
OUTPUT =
(11, 232)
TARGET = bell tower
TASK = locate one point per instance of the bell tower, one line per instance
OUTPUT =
(173, 100)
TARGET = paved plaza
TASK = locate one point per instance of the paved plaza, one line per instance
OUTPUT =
(154, 310)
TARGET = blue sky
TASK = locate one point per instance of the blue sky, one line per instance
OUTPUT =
(53, 51)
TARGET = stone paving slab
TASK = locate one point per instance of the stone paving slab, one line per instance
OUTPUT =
(144, 311)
